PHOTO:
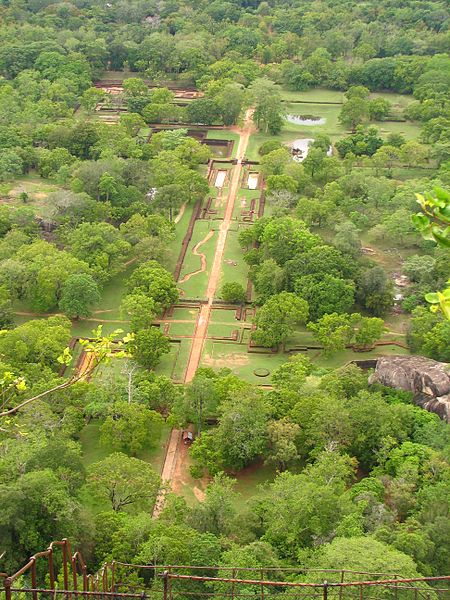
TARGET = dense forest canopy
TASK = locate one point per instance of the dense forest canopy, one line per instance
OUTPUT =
(106, 111)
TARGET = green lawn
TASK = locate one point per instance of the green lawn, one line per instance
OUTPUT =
(220, 315)
(315, 95)
(235, 357)
(174, 364)
(35, 186)
(172, 253)
(181, 329)
(328, 112)
(195, 287)
(233, 267)
(185, 314)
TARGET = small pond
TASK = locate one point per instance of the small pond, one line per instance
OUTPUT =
(252, 182)
(300, 148)
(218, 150)
(305, 120)
(220, 179)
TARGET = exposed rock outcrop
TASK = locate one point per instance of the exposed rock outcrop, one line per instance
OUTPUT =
(427, 379)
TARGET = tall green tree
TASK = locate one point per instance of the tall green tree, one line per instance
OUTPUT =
(126, 483)
(79, 293)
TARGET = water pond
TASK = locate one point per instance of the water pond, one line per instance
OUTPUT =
(309, 120)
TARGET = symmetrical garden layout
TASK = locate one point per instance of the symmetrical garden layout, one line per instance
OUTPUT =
(205, 254)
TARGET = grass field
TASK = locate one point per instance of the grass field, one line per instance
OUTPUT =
(195, 286)
(174, 364)
(309, 103)
(233, 267)
(37, 188)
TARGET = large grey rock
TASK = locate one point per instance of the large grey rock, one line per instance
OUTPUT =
(427, 379)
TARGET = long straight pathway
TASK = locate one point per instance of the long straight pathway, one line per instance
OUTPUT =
(204, 316)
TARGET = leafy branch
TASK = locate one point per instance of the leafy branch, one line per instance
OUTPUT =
(101, 347)
(433, 223)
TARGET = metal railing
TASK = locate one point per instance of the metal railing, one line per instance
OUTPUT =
(117, 580)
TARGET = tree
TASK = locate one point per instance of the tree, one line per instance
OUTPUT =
(325, 294)
(298, 510)
(282, 443)
(282, 239)
(333, 331)
(148, 346)
(79, 293)
(436, 342)
(37, 507)
(91, 97)
(40, 341)
(420, 268)
(379, 109)
(101, 246)
(6, 311)
(128, 427)
(363, 553)
(374, 290)
(124, 482)
(347, 239)
(141, 309)
(275, 320)
(11, 165)
(281, 183)
(316, 211)
(368, 331)
(273, 162)
(269, 279)
(233, 292)
(354, 112)
(132, 122)
(215, 514)
(230, 101)
(269, 108)
(241, 433)
(154, 281)
(203, 111)
(107, 186)
(292, 375)
(50, 161)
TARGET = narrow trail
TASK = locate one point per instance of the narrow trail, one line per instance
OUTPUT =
(201, 255)
(180, 214)
(205, 311)
(167, 470)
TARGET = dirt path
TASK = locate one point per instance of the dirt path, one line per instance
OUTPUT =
(205, 311)
(168, 470)
(180, 214)
(201, 255)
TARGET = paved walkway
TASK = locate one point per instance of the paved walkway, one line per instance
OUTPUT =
(201, 327)
(168, 470)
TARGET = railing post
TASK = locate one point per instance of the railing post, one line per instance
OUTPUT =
(342, 581)
(233, 577)
(113, 575)
(325, 590)
(65, 569)
(262, 585)
(7, 585)
(34, 579)
(165, 584)
(396, 587)
(51, 570)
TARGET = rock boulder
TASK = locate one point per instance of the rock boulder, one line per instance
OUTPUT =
(427, 379)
